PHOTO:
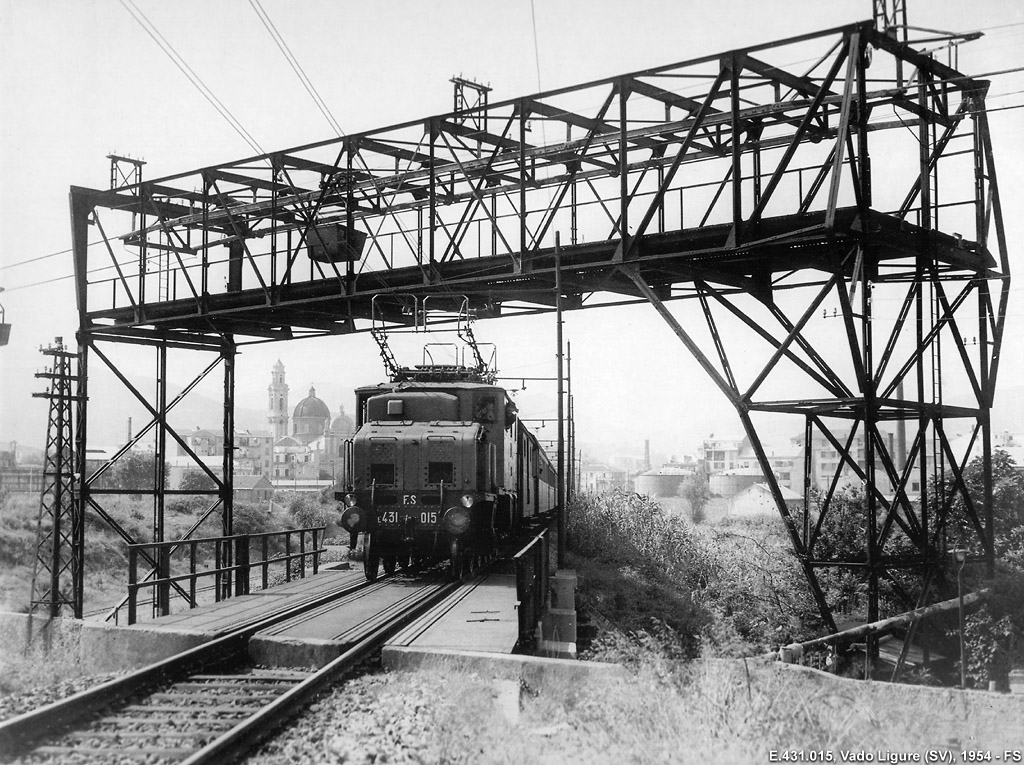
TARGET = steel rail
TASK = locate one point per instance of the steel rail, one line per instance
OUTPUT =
(21, 733)
(244, 736)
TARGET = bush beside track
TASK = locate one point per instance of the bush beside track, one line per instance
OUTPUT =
(735, 588)
(693, 590)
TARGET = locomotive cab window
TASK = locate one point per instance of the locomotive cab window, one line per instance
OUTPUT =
(486, 410)
(438, 472)
(382, 472)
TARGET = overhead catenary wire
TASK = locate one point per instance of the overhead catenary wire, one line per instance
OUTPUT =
(536, 45)
(282, 45)
(296, 67)
(150, 28)
(36, 259)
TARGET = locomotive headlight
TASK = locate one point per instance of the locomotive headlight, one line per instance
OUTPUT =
(354, 519)
(350, 500)
(468, 500)
(456, 520)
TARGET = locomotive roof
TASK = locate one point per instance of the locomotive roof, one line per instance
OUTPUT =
(411, 385)
(443, 373)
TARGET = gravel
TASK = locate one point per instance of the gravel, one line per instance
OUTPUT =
(377, 718)
(39, 696)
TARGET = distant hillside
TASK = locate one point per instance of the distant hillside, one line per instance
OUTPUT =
(196, 410)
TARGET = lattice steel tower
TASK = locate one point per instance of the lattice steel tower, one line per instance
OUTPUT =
(57, 569)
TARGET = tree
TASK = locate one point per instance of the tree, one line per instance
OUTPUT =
(695, 491)
(136, 470)
(844, 537)
(994, 633)
(308, 511)
(196, 480)
(1007, 504)
(251, 518)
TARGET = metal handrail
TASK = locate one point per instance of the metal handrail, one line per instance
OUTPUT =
(532, 574)
(232, 563)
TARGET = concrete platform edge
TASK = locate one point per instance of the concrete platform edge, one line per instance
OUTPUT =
(535, 671)
(104, 647)
(274, 651)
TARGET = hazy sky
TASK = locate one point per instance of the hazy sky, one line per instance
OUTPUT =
(79, 79)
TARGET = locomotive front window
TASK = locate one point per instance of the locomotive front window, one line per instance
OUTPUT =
(438, 472)
(382, 472)
(486, 410)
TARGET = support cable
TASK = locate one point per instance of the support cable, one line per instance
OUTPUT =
(150, 28)
(296, 67)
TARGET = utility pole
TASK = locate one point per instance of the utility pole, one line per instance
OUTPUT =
(561, 407)
(570, 488)
(57, 570)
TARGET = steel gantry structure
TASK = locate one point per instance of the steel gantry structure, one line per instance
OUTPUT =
(741, 184)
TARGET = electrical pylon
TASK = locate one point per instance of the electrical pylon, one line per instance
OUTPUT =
(57, 569)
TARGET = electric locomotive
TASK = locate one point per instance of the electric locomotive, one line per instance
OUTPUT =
(440, 465)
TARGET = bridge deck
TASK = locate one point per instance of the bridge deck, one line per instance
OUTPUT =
(481, 616)
(778, 246)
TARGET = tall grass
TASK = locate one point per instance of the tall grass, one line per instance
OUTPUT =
(705, 711)
(735, 588)
(44, 663)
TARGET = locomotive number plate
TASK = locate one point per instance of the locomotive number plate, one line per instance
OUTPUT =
(388, 516)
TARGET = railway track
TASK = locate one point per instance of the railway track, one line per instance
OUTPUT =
(206, 705)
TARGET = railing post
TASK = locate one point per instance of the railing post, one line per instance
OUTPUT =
(288, 556)
(163, 587)
(242, 565)
(217, 573)
(524, 598)
(133, 588)
(302, 554)
(545, 561)
(316, 552)
(192, 574)
(266, 565)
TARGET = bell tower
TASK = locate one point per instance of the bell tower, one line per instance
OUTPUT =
(278, 402)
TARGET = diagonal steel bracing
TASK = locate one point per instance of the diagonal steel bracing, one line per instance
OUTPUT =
(732, 184)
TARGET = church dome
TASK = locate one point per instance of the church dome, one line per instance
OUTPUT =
(311, 406)
(311, 415)
(343, 423)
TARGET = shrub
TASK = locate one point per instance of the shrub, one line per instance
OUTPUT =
(738, 589)
(994, 632)
(136, 470)
(697, 493)
(250, 518)
(310, 510)
(196, 480)
(645, 566)
(188, 504)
